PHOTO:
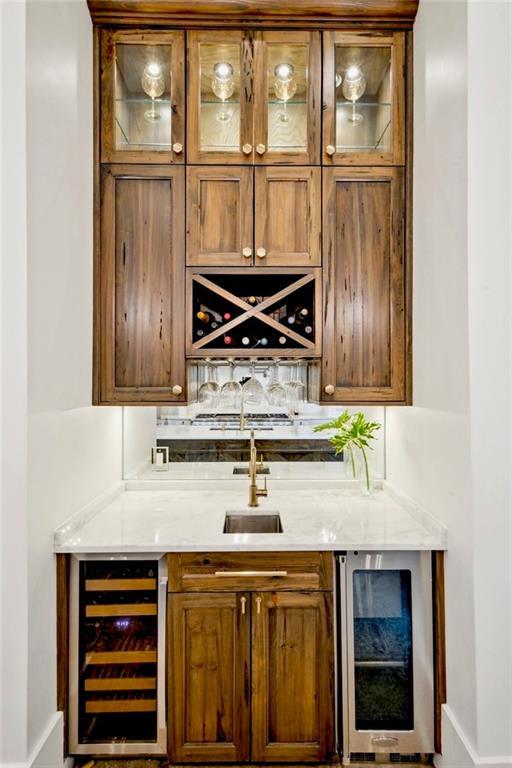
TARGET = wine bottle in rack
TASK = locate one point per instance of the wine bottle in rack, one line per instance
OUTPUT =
(217, 317)
(199, 332)
(227, 316)
(308, 329)
(204, 317)
(252, 300)
(228, 340)
(282, 340)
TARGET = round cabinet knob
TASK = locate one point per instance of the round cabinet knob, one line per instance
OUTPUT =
(177, 390)
(247, 253)
(261, 253)
(329, 389)
(247, 149)
(261, 149)
(177, 148)
(330, 149)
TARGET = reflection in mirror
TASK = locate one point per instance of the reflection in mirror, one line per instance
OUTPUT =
(206, 442)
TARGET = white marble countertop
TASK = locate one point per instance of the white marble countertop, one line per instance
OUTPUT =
(186, 516)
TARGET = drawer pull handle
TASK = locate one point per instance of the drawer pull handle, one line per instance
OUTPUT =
(258, 605)
(250, 574)
(243, 601)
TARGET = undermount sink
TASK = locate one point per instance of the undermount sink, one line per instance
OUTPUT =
(257, 522)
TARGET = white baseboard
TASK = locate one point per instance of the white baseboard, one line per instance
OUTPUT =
(48, 752)
(458, 752)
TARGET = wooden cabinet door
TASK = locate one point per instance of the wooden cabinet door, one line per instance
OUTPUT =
(220, 97)
(364, 284)
(140, 291)
(208, 698)
(292, 677)
(142, 96)
(288, 216)
(287, 101)
(219, 216)
(364, 98)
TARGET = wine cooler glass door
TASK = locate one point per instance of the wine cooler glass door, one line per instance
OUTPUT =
(390, 695)
(117, 642)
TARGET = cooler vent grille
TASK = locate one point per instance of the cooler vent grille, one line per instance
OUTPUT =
(362, 757)
(396, 757)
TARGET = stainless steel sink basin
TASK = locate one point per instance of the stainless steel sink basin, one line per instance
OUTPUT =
(258, 522)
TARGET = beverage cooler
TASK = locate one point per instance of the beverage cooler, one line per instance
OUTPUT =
(385, 656)
(117, 652)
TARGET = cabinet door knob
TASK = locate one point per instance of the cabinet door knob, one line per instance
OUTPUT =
(329, 389)
(261, 149)
(177, 389)
(247, 149)
(247, 253)
(177, 148)
(243, 601)
(261, 253)
(330, 149)
(258, 605)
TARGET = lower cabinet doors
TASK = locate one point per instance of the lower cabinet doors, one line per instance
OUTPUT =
(292, 701)
(209, 698)
(250, 677)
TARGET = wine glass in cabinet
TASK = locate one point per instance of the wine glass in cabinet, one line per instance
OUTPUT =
(220, 82)
(287, 98)
(364, 95)
(142, 96)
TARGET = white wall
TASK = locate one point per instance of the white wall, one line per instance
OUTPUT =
(13, 396)
(442, 452)
(75, 450)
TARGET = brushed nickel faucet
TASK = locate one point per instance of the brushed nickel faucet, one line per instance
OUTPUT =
(254, 491)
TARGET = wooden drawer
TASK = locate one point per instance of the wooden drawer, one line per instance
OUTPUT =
(242, 571)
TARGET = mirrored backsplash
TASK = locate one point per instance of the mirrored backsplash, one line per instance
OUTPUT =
(210, 438)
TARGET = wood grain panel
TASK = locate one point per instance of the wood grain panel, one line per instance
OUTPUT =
(219, 215)
(120, 657)
(292, 676)
(364, 328)
(288, 216)
(439, 646)
(239, 11)
(209, 673)
(62, 580)
(196, 572)
(142, 284)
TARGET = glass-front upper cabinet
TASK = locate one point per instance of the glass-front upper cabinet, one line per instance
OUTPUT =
(364, 85)
(287, 98)
(142, 97)
(220, 97)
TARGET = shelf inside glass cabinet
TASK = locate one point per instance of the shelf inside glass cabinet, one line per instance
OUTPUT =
(363, 126)
(143, 112)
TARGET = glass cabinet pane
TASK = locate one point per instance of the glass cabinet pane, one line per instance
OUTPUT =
(363, 88)
(219, 113)
(383, 650)
(287, 96)
(142, 93)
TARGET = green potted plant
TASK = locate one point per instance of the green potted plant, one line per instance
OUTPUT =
(352, 433)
